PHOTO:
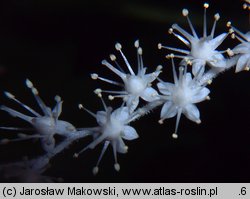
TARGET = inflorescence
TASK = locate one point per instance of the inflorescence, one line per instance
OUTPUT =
(200, 63)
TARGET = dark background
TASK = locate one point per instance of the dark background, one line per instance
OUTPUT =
(58, 43)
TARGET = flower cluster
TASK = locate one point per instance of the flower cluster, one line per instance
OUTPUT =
(140, 93)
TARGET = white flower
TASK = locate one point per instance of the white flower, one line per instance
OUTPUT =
(202, 50)
(47, 125)
(112, 129)
(181, 97)
(242, 50)
(135, 85)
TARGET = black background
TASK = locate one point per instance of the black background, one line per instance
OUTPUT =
(57, 44)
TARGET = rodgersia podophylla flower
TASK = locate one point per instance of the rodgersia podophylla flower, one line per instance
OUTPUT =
(181, 97)
(202, 50)
(135, 85)
(47, 126)
(242, 50)
(112, 129)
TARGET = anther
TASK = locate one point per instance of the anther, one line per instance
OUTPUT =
(174, 135)
(9, 95)
(94, 76)
(76, 155)
(170, 30)
(80, 106)
(230, 52)
(217, 16)
(35, 91)
(111, 97)
(159, 46)
(117, 167)
(206, 5)
(185, 12)
(118, 46)
(29, 83)
(95, 170)
(57, 98)
(139, 51)
(136, 43)
(209, 81)
(112, 57)
(229, 24)
(98, 92)
(159, 68)
(160, 121)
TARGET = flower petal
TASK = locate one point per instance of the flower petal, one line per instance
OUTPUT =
(218, 61)
(120, 146)
(129, 133)
(218, 40)
(165, 88)
(200, 96)
(242, 48)
(198, 66)
(132, 103)
(247, 35)
(241, 63)
(149, 94)
(192, 112)
(188, 78)
(101, 117)
(121, 114)
(168, 110)
(151, 76)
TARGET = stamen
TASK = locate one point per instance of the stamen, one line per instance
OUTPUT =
(12, 97)
(118, 47)
(176, 49)
(95, 169)
(137, 43)
(185, 14)
(40, 102)
(216, 18)
(173, 68)
(112, 68)
(186, 42)
(113, 58)
(98, 92)
(239, 33)
(183, 32)
(80, 106)
(174, 135)
(206, 5)
(95, 76)
(116, 165)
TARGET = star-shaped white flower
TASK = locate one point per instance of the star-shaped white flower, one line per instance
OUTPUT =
(47, 125)
(202, 50)
(134, 86)
(242, 51)
(113, 127)
(181, 97)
